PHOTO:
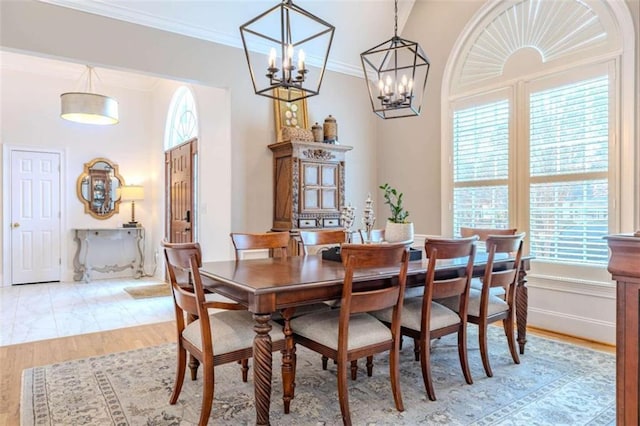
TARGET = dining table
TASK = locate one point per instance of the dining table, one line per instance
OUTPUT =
(270, 285)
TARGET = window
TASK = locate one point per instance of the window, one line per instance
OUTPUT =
(565, 178)
(481, 166)
(182, 119)
(569, 158)
(540, 131)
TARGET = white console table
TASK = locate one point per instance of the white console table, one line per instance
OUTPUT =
(98, 248)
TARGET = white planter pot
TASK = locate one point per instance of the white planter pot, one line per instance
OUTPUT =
(396, 232)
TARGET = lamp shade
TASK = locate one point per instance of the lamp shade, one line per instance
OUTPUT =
(131, 193)
(88, 108)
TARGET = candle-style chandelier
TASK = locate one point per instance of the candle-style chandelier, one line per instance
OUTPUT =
(396, 74)
(288, 34)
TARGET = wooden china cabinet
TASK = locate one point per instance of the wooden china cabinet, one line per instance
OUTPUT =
(624, 266)
(308, 186)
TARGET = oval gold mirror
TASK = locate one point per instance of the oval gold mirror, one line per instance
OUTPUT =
(97, 188)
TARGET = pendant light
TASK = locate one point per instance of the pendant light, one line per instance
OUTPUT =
(89, 107)
(396, 75)
(278, 45)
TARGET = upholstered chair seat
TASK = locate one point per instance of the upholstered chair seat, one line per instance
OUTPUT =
(233, 331)
(441, 316)
(364, 329)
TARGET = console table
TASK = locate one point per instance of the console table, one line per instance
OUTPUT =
(624, 266)
(98, 249)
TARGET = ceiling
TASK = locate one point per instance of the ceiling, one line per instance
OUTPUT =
(360, 24)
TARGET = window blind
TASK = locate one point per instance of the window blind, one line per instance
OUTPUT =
(481, 166)
(569, 144)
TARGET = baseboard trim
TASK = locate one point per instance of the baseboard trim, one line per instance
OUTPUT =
(573, 325)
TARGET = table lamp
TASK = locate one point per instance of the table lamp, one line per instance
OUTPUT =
(132, 193)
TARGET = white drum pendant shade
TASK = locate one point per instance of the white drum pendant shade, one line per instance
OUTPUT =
(89, 108)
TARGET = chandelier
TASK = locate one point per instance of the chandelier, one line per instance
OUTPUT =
(88, 107)
(396, 75)
(288, 34)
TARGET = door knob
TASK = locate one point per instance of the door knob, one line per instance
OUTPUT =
(15, 225)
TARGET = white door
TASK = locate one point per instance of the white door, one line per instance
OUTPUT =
(35, 217)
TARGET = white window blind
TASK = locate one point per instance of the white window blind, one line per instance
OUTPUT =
(481, 166)
(569, 145)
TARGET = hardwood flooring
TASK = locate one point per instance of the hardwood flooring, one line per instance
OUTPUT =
(15, 358)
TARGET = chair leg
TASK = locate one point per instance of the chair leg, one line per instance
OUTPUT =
(484, 350)
(394, 373)
(207, 393)
(180, 370)
(416, 349)
(245, 369)
(370, 366)
(462, 353)
(325, 360)
(354, 369)
(425, 364)
(507, 323)
(193, 366)
(343, 393)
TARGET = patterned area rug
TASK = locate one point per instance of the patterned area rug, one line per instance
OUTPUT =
(151, 290)
(555, 384)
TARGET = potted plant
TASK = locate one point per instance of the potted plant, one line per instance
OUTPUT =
(398, 228)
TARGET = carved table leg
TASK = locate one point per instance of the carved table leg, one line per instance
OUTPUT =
(522, 306)
(288, 362)
(262, 371)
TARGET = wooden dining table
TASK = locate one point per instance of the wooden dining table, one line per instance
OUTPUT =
(271, 285)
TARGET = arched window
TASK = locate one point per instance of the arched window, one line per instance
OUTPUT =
(536, 102)
(182, 119)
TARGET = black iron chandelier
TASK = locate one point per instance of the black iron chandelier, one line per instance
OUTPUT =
(396, 74)
(285, 32)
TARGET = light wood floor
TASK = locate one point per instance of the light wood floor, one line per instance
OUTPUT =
(15, 358)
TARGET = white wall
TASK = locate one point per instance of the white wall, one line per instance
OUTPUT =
(30, 105)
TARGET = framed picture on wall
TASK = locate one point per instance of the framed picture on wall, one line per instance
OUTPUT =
(290, 114)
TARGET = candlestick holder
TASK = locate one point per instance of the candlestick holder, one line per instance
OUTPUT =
(347, 216)
(368, 218)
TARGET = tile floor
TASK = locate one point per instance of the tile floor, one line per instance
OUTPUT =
(44, 311)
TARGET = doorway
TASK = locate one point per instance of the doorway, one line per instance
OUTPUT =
(32, 207)
(180, 163)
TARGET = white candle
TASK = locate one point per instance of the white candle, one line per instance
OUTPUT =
(301, 59)
(272, 58)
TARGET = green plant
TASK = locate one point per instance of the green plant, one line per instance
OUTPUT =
(394, 199)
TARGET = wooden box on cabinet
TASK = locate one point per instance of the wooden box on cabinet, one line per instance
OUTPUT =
(624, 266)
(308, 184)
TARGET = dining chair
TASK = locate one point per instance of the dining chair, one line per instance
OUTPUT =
(314, 241)
(424, 319)
(276, 242)
(485, 307)
(483, 234)
(213, 339)
(350, 332)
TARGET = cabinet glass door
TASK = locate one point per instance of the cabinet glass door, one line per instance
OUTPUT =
(319, 187)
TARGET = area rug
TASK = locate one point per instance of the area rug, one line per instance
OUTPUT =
(151, 290)
(555, 384)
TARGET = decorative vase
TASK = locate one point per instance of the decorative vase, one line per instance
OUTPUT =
(318, 132)
(330, 128)
(397, 232)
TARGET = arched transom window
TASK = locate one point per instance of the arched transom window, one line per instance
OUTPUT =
(182, 119)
